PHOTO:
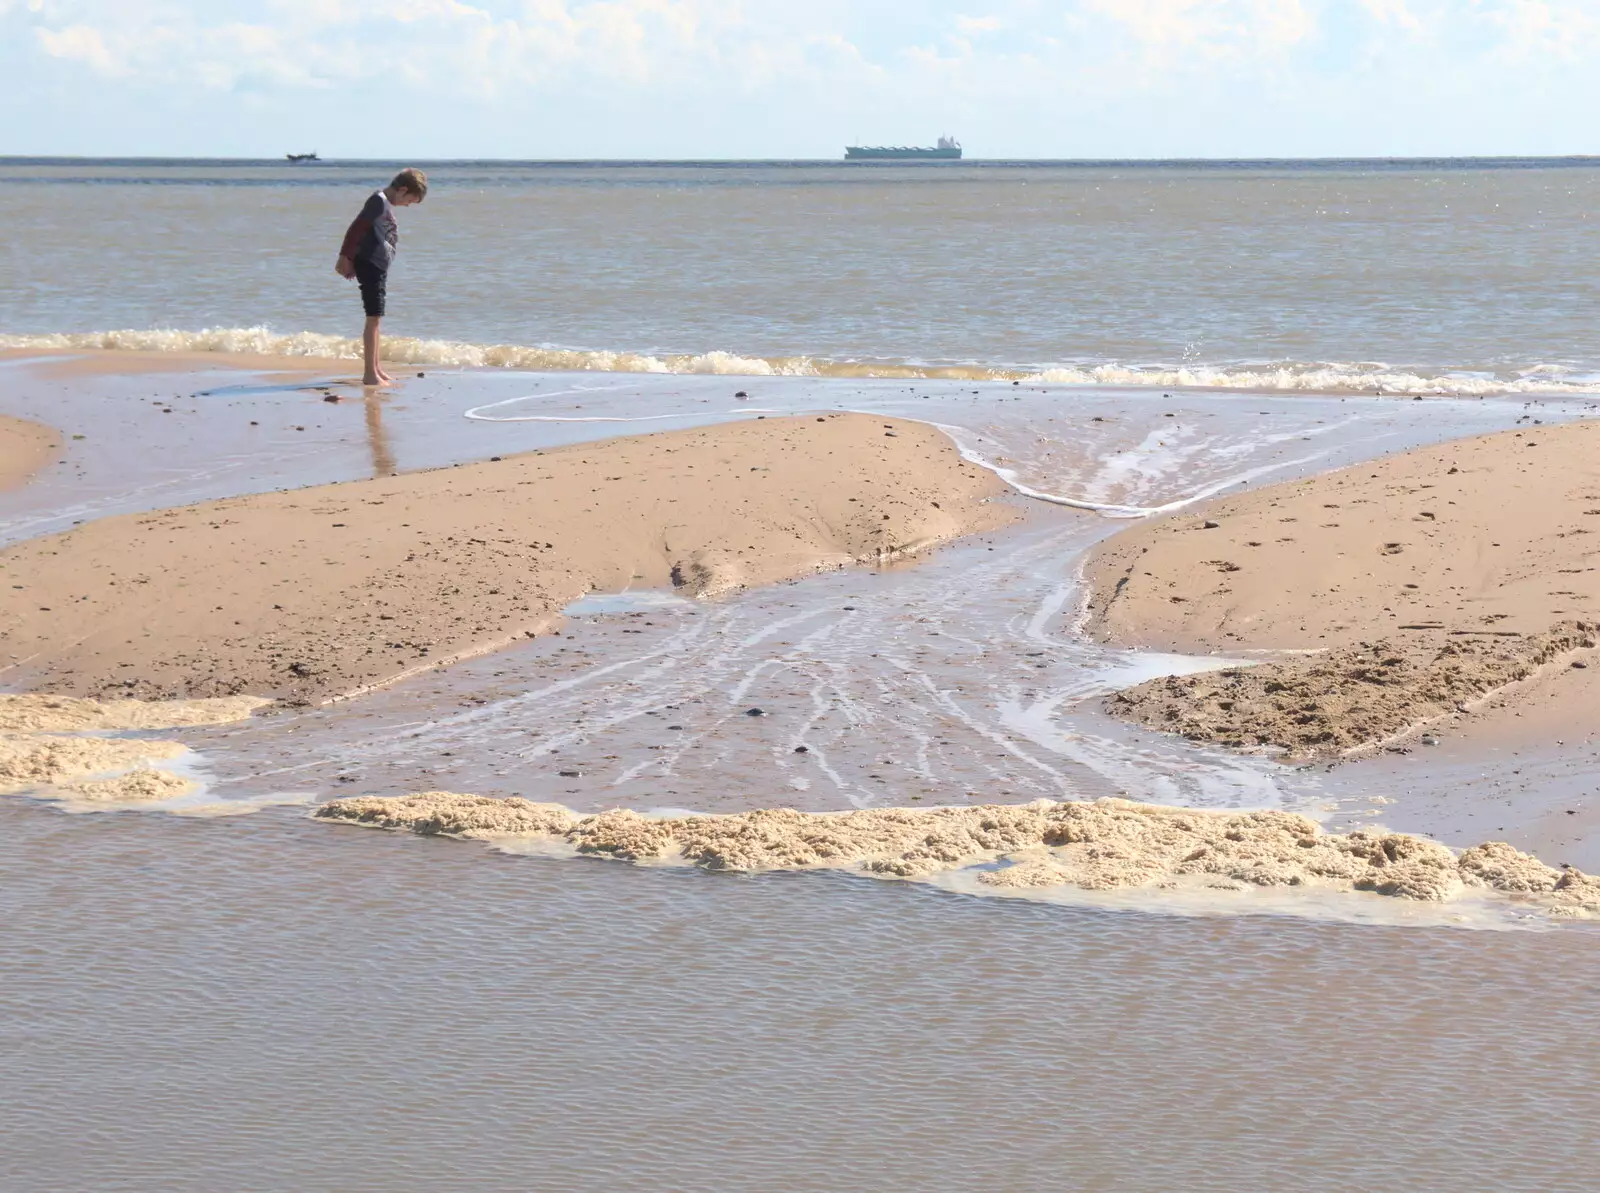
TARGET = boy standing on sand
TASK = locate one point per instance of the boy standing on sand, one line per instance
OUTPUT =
(368, 251)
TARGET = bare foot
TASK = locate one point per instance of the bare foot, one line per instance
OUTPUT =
(369, 379)
(384, 377)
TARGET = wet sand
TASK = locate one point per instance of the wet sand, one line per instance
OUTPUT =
(81, 362)
(318, 593)
(25, 447)
(1482, 539)
(963, 679)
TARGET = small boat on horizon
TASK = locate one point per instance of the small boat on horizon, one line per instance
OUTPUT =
(948, 149)
(302, 157)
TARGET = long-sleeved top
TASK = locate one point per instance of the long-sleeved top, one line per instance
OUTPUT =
(374, 236)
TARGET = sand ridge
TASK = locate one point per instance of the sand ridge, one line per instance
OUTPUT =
(1104, 845)
(1350, 699)
(309, 594)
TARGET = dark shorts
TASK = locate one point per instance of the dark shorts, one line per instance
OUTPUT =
(374, 285)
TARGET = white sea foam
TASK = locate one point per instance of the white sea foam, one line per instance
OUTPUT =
(1324, 377)
(1285, 376)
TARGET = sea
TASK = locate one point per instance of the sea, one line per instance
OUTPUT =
(263, 1002)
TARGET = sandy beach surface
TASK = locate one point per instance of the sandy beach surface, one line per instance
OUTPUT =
(25, 447)
(1468, 548)
(316, 593)
(132, 362)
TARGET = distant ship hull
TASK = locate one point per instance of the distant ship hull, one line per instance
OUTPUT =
(878, 154)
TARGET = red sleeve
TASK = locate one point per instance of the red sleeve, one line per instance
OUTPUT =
(370, 210)
(354, 236)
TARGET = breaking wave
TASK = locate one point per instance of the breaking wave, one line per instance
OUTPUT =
(1286, 376)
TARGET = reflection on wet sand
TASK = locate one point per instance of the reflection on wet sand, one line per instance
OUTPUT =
(378, 438)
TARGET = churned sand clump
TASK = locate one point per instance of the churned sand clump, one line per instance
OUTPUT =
(444, 813)
(66, 714)
(1105, 845)
(30, 762)
(137, 786)
(1347, 699)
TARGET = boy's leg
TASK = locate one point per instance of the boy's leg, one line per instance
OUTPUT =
(374, 298)
(369, 351)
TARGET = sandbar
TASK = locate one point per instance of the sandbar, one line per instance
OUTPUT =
(317, 593)
(1492, 539)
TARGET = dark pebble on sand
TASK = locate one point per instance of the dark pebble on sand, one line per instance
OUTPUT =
(1212, 525)
(741, 394)
(802, 749)
(495, 459)
(331, 398)
(570, 774)
(755, 712)
(421, 374)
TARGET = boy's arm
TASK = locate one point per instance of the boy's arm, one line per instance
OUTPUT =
(357, 232)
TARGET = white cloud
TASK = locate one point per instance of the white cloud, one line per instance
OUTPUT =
(1065, 66)
(1396, 13)
(970, 26)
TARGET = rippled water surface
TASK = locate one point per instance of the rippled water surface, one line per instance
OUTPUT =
(270, 1004)
(1434, 269)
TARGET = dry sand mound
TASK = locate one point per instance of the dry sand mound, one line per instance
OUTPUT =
(1497, 533)
(66, 714)
(1347, 699)
(32, 762)
(321, 592)
(1104, 845)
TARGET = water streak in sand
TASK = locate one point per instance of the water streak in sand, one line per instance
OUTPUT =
(1270, 376)
(1110, 844)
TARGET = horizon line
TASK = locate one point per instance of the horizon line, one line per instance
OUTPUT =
(282, 159)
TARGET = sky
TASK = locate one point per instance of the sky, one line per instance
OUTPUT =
(430, 79)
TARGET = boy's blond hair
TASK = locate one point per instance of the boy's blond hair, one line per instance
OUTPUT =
(413, 180)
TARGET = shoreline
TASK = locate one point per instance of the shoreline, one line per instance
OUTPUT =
(255, 348)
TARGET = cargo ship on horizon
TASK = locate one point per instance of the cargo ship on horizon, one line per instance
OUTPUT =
(948, 149)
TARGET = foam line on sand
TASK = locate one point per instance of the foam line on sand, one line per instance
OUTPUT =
(1106, 845)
